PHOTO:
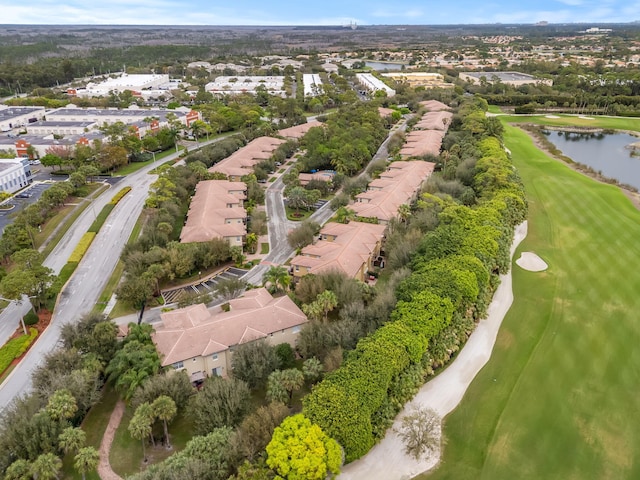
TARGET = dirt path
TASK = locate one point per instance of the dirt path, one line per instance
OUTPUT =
(104, 467)
(387, 460)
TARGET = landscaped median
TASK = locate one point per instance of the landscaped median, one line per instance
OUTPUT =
(15, 348)
(86, 240)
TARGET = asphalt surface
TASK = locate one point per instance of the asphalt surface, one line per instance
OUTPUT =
(83, 289)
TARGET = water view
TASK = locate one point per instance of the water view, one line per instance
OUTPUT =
(604, 152)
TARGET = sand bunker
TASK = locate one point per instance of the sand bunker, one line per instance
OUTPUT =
(551, 116)
(532, 262)
(585, 118)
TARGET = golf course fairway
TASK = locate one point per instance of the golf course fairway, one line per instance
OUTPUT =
(560, 397)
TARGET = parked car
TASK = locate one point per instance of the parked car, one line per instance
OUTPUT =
(24, 195)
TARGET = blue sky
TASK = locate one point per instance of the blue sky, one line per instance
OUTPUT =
(315, 12)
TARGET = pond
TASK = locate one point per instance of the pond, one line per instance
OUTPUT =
(385, 65)
(606, 153)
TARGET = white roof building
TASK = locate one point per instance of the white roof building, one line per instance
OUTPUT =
(16, 117)
(234, 85)
(374, 84)
(312, 84)
(136, 83)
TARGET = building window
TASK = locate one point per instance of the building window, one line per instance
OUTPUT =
(295, 329)
(178, 365)
(214, 356)
(297, 268)
(194, 359)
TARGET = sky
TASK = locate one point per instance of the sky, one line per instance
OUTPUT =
(315, 12)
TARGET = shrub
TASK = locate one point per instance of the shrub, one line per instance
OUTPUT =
(82, 247)
(30, 318)
(118, 196)
(15, 348)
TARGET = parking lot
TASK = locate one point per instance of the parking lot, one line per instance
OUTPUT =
(34, 192)
(207, 286)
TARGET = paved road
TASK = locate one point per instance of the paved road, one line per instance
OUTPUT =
(85, 286)
(279, 225)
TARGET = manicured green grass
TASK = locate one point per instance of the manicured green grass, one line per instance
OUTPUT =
(297, 215)
(264, 248)
(126, 452)
(135, 166)
(615, 123)
(559, 397)
(94, 426)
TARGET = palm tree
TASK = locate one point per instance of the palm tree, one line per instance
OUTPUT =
(345, 215)
(404, 212)
(62, 405)
(86, 460)
(46, 467)
(71, 439)
(18, 470)
(140, 428)
(292, 379)
(165, 409)
(145, 411)
(278, 277)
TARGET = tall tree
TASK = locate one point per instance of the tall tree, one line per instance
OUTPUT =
(86, 460)
(140, 428)
(72, 439)
(277, 277)
(164, 408)
(46, 467)
(62, 405)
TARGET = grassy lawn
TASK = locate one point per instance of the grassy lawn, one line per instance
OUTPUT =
(264, 248)
(559, 397)
(297, 215)
(616, 123)
(126, 453)
(94, 425)
(135, 166)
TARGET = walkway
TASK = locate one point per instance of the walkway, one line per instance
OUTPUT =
(387, 460)
(104, 467)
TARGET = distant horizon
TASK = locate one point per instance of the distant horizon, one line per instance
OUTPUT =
(337, 25)
(253, 13)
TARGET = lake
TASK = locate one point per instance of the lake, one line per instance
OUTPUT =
(604, 152)
(385, 65)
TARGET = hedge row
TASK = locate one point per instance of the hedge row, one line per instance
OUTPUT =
(118, 196)
(101, 218)
(15, 348)
(451, 279)
(82, 247)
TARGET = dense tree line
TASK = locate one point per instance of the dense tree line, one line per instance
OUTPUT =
(453, 273)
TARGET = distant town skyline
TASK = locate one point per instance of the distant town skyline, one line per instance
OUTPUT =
(327, 12)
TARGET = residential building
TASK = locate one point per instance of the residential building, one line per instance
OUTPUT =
(216, 211)
(299, 131)
(201, 341)
(242, 161)
(398, 185)
(350, 248)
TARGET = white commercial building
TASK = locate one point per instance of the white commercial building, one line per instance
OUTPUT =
(373, 84)
(246, 84)
(15, 174)
(140, 85)
(17, 117)
(312, 84)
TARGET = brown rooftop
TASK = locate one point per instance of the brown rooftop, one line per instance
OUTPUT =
(345, 247)
(434, 105)
(393, 188)
(215, 211)
(242, 161)
(298, 131)
(197, 331)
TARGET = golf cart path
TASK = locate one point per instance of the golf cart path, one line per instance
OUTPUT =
(387, 460)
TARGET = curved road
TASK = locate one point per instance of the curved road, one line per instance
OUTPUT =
(83, 289)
